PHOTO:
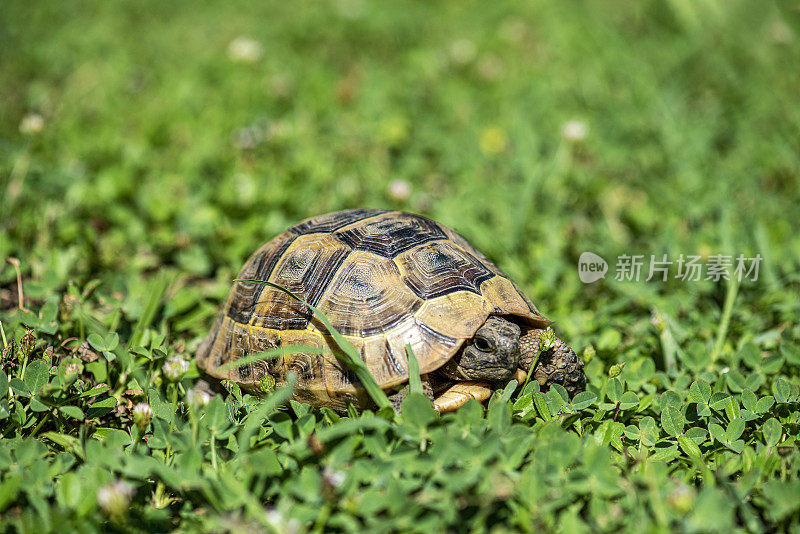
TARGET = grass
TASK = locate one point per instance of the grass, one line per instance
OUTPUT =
(146, 150)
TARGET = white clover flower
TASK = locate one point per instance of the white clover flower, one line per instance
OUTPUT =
(350, 9)
(31, 124)
(73, 369)
(399, 190)
(547, 340)
(333, 477)
(490, 67)
(142, 415)
(574, 131)
(197, 399)
(462, 51)
(115, 497)
(780, 32)
(681, 498)
(513, 30)
(247, 137)
(274, 517)
(174, 368)
(280, 85)
(245, 50)
(280, 523)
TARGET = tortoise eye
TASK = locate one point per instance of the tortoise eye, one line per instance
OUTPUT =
(483, 344)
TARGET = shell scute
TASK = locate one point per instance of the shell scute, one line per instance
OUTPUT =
(506, 299)
(366, 297)
(439, 268)
(333, 221)
(305, 269)
(458, 315)
(391, 234)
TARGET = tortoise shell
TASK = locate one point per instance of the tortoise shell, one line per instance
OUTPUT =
(383, 279)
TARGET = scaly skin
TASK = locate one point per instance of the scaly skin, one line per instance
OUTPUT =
(460, 393)
(558, 365)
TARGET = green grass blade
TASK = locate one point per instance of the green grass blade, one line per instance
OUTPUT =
(727, 311)
(414, 381)
(158, 287)
(348, 354)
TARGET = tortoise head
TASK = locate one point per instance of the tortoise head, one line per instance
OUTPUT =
(500, 347)
(492, 354)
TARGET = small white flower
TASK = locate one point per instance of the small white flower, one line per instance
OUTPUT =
(333, 477)
(174, 368)
(245, 50)
(574, 131)
(245, 186)
(31, 124)
(73, 369)
(780, 32)
(142, 415)
(114, 498)
(280, 523)
(247, 137)
(350, 9)
(547, 340)
(197, 399)
(280, 85)
(399, 190)
(462, 51)
(490, 67)
(681, 498)
(274, 518)
(513, 30)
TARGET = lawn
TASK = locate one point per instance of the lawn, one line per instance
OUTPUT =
(148, 148)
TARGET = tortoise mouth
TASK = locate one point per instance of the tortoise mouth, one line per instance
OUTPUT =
(489, 373)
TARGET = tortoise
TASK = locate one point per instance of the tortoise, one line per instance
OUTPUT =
(383, 279)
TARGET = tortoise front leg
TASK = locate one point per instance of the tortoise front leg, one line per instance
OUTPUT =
(459, 394)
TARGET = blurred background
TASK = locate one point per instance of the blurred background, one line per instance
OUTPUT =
(142, 138)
